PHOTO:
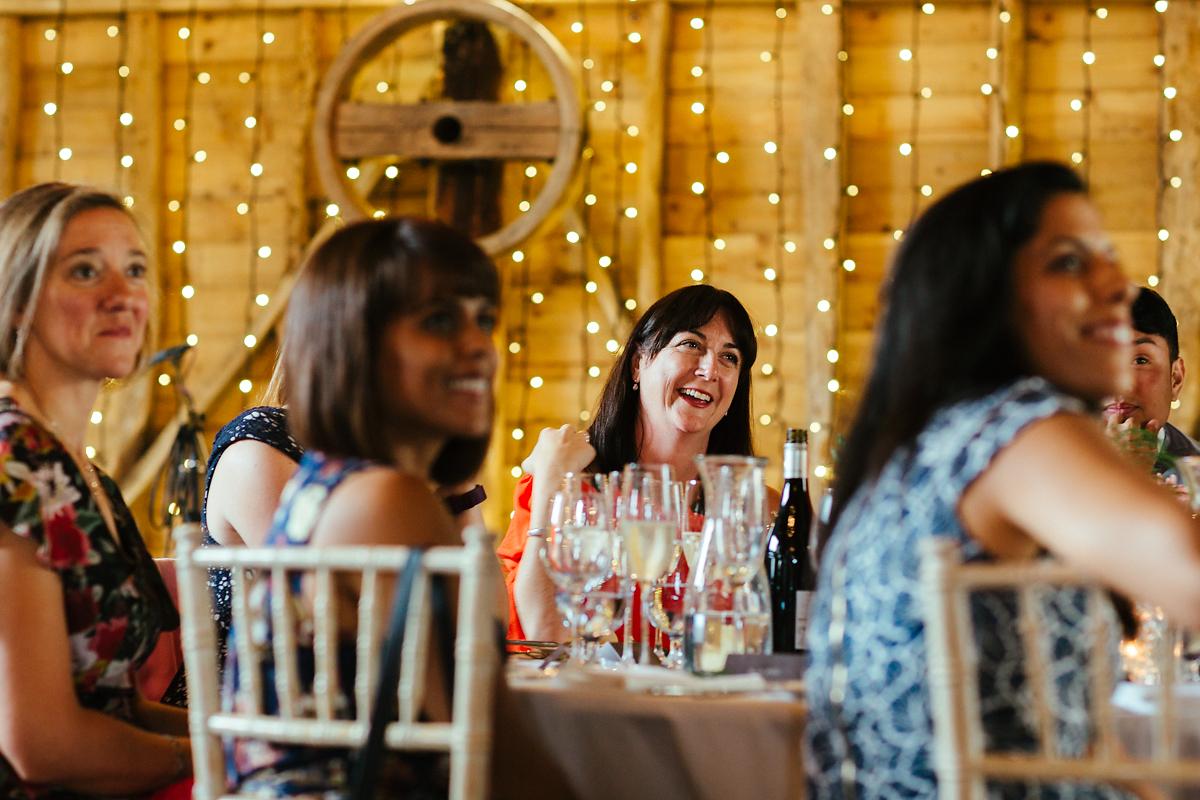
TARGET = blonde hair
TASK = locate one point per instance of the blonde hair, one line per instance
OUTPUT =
(32, 223)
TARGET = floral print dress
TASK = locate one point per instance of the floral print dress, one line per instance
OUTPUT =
(114, 599)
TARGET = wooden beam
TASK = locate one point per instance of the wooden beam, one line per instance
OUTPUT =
(448, 130)
(650, 175)
(82, 7)
(10, 101)
(1180, 266)
(820, 126)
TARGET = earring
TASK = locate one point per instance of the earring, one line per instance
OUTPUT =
(635, 386)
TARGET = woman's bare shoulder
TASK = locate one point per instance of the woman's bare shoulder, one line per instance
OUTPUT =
(380, 505)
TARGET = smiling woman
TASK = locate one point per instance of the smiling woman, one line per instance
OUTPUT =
(680, 388)
(74, 300)
(388, 366)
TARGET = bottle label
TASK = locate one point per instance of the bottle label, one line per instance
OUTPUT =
(803, 598)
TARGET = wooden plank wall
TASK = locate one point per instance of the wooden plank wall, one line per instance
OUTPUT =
(798, 149)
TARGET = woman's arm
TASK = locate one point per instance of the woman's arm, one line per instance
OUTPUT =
(1061, 484)
(161, 718)
(558, 450)
(244, 492)
(44, 733)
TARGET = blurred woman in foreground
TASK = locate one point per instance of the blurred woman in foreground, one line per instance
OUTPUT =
(1006, 322)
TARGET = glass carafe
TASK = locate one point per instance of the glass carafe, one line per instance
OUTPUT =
(728, 599)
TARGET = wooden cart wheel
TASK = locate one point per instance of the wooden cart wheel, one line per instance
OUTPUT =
(448, 130)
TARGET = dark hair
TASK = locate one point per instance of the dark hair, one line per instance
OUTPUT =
(1151, 314)
(948, 331)
(612, 432)
(350, 288)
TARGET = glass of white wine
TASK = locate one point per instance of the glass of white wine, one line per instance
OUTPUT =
(649, 526)
(578, 548)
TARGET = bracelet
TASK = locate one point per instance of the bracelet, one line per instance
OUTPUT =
(537, 533)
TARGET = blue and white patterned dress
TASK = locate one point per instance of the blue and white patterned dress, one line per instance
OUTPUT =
(885, 715)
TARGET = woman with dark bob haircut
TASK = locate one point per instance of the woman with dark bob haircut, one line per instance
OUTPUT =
(680, 388)
(389, 365)
(1006, 321)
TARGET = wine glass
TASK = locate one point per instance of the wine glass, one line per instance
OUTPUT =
(664, 606)
(649, 520)
(578, 549)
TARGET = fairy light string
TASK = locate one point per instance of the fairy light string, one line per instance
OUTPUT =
(62, 68)
(517, 346)
(587, 202)
(1166, 136)
(774, 274)
(258, 251)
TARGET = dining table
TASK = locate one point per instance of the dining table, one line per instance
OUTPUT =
(646, 732)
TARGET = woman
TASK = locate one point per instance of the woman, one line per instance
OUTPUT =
(74, 295)
(680, 388)
(388, 374)
(1006, 323)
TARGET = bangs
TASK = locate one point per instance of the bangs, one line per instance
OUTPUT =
(693, 310)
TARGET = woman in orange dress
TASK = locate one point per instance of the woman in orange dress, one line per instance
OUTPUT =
(680, 388)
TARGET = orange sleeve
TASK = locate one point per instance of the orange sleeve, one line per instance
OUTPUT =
(512, 547)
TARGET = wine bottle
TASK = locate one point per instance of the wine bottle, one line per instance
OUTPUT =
(791, 570)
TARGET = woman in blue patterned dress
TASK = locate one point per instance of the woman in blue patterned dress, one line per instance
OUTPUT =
(388, 373)
(83, 603)
(1006, 321)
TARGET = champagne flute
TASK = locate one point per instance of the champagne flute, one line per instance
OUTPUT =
(648, 526)
(578, 550)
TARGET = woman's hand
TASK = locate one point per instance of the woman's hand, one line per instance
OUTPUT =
(559, 450)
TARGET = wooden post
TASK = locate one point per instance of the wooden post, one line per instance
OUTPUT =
(650, 174)
(10, 101)
(1181, 212)
(820, 127)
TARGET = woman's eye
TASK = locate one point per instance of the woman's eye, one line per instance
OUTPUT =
(1067, 262)
(84, 271)
(487, 322)
(689, 343)
(137, 270)
(732, 358)
(441, 322)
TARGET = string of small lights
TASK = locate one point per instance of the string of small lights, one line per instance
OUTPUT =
(63, 68)
(258, 251)
(519, 363)
(586, 204)
(1083, 157)
(834, 242)
(917, 93)
(191, 158)
(995, 88)
(773, 274)
(1167, 134)
(708, 92)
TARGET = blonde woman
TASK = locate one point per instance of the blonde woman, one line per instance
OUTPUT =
(74, 303)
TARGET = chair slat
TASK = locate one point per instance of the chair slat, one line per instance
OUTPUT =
(325, 644)
(249, 666)
(283, 618)
(416, 651)
(368, 643)
(1100, 668)
(1037, 677)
